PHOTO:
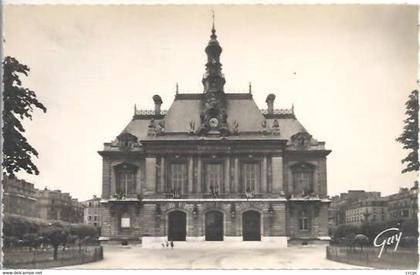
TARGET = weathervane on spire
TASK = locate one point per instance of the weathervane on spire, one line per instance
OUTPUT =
(212, 15)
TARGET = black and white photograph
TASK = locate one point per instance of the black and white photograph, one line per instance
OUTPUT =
(167, 136)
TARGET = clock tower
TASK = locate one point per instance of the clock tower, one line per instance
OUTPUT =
(213, 106)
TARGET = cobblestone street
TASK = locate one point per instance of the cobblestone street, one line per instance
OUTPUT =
(215, 255)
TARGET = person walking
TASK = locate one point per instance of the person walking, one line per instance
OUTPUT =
(172, 244)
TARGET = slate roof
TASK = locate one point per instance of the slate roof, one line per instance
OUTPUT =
(240, 108)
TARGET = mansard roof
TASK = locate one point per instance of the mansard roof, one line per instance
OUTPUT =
(240, 108)
(214, 114)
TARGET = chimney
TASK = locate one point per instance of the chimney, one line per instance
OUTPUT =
(158, 101)
(270, 103)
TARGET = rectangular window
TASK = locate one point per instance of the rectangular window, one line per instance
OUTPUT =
(303, 221)
(303, 180)
(250, 176)
(214, 178)
(178, 178)
(126, 182)
(125, 222)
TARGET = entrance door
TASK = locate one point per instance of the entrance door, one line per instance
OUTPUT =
(251, 226)
(214, 226)
(177, 226)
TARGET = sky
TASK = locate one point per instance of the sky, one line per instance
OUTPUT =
(348, 70)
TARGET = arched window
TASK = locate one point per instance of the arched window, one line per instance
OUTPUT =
(126, 179)
(303, 178)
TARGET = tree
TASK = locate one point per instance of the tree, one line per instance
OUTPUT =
(410, 134)
(83, 232)
(56, 235)
(19, 103)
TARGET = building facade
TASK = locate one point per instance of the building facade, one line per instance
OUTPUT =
(337, 211)
(92, 211)
(404, 204)
(19, 198)
(366, 211)
(214, 167)
(55, 205)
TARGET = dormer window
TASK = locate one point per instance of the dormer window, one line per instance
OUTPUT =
(301, 140)
(126, 140)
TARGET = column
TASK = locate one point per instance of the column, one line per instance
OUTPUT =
(236, 177)
(190, 174)
(162, 175)
(139, 179)
(150, 183)
(198, 182)
(106, 178)
(277, 172)
(264, 187)
(227, 175)
(113, 180)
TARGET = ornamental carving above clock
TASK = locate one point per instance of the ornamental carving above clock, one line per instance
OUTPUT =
(213, 122)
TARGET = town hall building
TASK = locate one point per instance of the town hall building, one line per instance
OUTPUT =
(214, 167)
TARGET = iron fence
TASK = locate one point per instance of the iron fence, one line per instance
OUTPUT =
(402, 258)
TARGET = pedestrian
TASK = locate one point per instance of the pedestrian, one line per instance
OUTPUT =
(167, 244)
(172, 244)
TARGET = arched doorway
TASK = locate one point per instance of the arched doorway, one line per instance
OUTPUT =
(251, 226)
(177, 226)
(214, 226)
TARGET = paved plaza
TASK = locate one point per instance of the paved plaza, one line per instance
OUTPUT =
(217, 255)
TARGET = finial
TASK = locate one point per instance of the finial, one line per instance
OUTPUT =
(213, 29)
(135, 109)
(176, 89)
(250, 88)
(293, 108)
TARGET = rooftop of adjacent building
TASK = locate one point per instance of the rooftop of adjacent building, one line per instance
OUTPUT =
(360, 198)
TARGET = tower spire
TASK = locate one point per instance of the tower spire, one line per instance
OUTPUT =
(213, 79)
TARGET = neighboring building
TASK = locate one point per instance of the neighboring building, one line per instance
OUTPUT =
(366, 210)
(339, 205)
(54, 205)
(92, 211)
(214, 167)
(404, 204)
(19, 198)
(357, 206)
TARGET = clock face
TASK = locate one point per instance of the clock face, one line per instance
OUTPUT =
(213, 122)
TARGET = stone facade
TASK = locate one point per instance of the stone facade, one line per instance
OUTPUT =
(55, 205)
(404, 204)
(214, 167)
(367, 210)
(93, 212)
(19, 198)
